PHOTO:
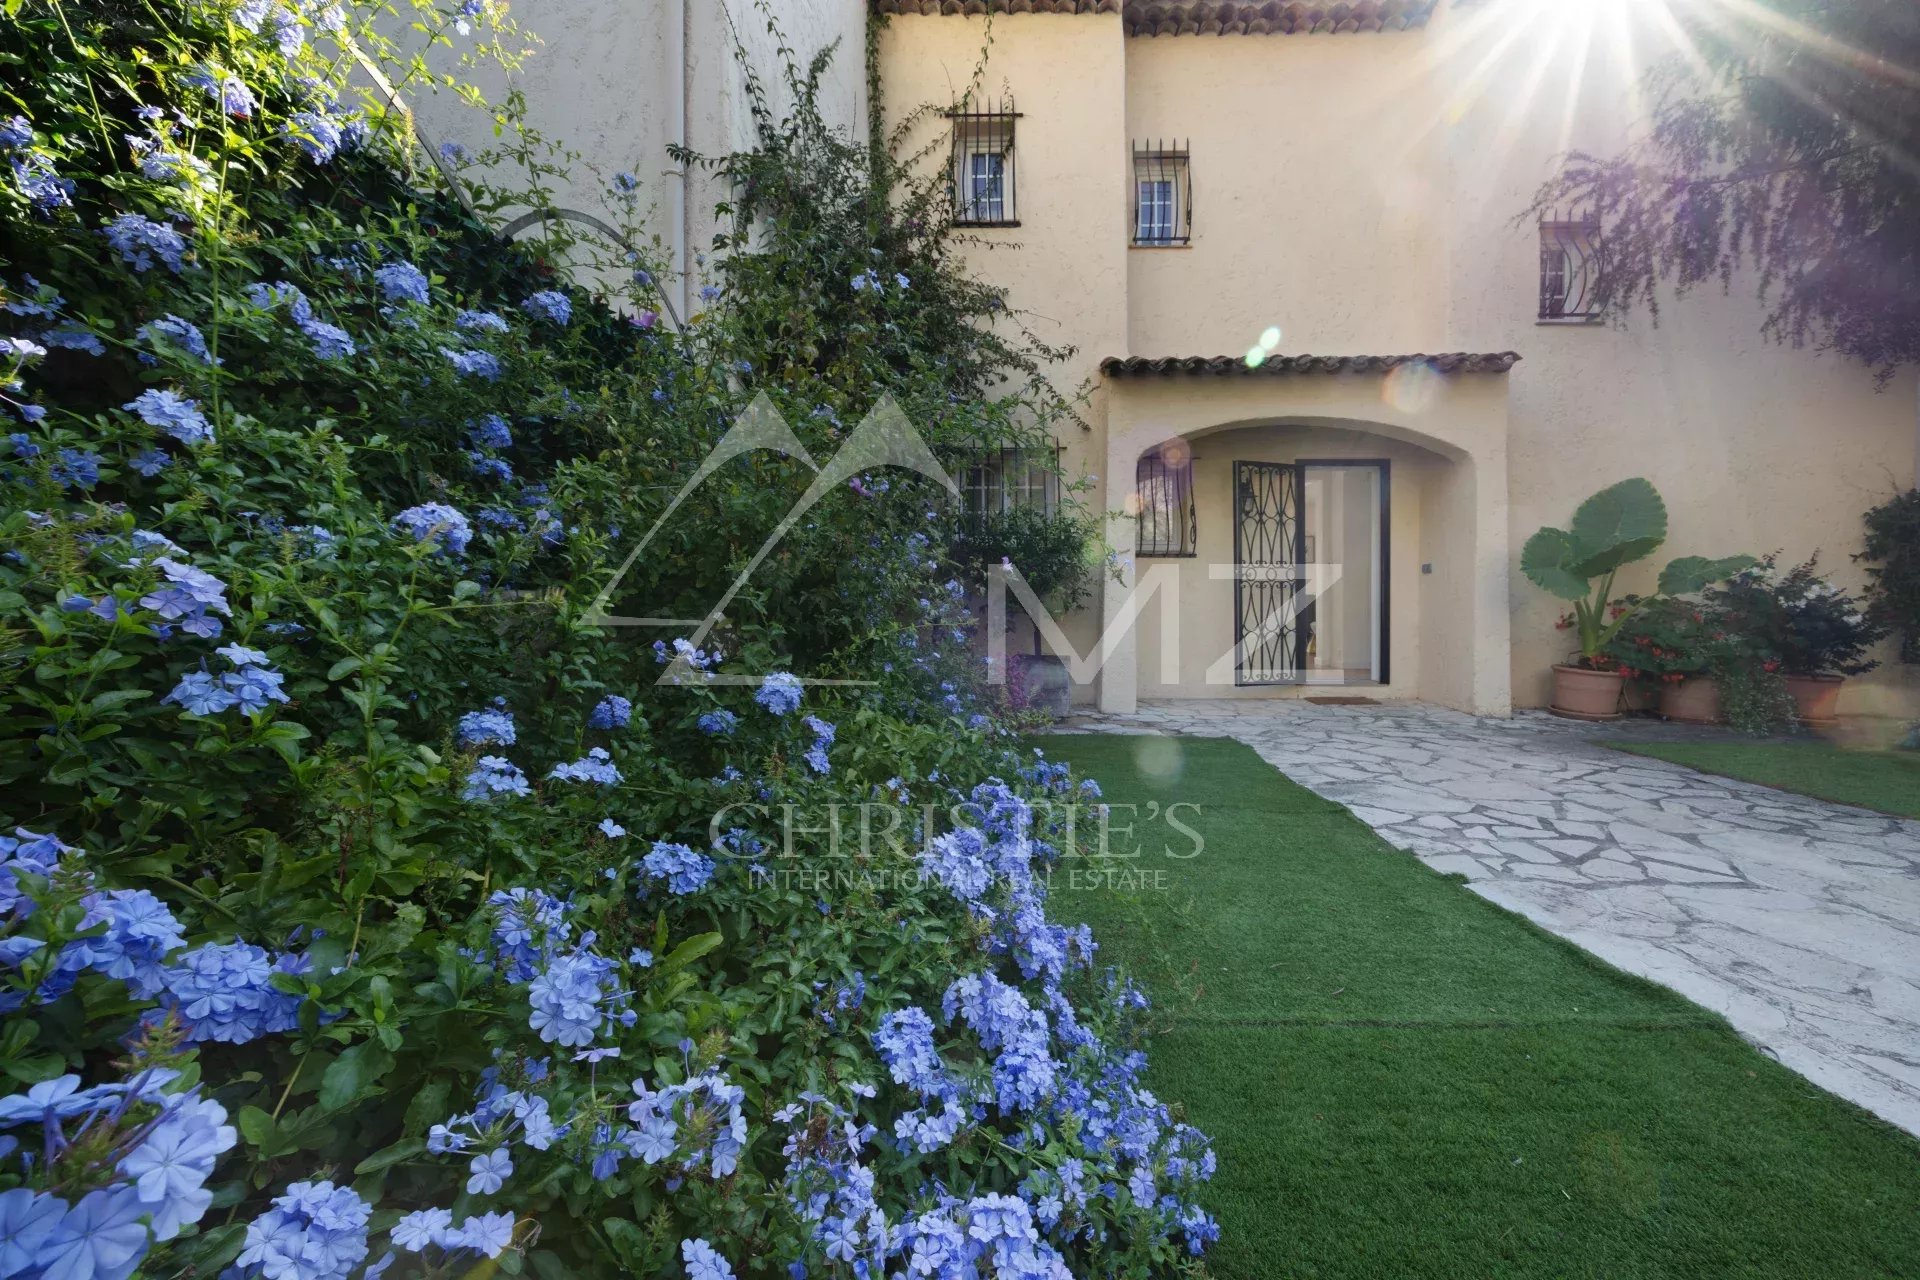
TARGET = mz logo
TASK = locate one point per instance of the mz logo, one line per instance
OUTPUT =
(884, 438)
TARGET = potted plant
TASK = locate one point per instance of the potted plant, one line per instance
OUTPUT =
(1050, 551)
(1620, 525)
(1675, 647)
(1816, 633)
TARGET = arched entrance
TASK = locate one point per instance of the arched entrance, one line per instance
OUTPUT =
(1285, 534)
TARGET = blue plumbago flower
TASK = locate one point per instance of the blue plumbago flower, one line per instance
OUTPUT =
(573, 997)
(816, 755)
(172, 1163)
(663, 1117)
(490, 431)
(473, 364)
(901, 280)
(75, 337)
(139, 241)
(181, 168)
(480, 322)
(703, 1263)
(224, 992)
(531, 924)
(490, 1172)
(596, 767)
(317, 134)
(488, 1234)
(316, 1231)
(682, 650)
(611, 830)
(468, 9)
(623, 182)
(779, 693)
(709, 293)
(187, 597)
(329, 341)
(640, 958)
(150, 462)
(494, 776)
(37, 179)
(265, 297)
(76, 469)
(866, 280)
(401, 282)
(15, 132)
(173, 413)
(101, 1237)
(288, 35)
(173, 333)
(453, 153)
(439, 523)
(200, 693)
(230, 92)
(491, 726)
(550, 305)
(140, 933)
(719, 723)
(684, 870)
(421, 1228)
(488, 467)
(612, 712)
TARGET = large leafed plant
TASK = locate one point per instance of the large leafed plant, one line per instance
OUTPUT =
(1622, 524)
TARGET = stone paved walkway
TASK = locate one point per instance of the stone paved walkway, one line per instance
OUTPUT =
(1796, 919)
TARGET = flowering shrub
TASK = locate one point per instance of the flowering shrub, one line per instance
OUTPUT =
(1801, 621)
(1892, 551)
(369, 906)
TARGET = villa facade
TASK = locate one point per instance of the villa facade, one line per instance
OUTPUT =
(1327, 356)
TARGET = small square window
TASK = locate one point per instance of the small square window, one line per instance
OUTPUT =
(983, 168)
(1163, 488)
(1162, 195)
(1004, 479)
(1570, 262)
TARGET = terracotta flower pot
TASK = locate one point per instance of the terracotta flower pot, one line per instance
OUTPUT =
(1816, 699)
(1581, 693)
(1695, 700)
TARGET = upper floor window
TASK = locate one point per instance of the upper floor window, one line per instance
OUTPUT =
(983, 169)
(1162, 194)
(1003, 479)
(1163, 487)
(1569, 269)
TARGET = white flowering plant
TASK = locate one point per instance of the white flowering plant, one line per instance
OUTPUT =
(1799, 620)
(367, 905)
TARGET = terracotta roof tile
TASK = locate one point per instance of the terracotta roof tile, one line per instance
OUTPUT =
(1203, 17)
(1280, 366)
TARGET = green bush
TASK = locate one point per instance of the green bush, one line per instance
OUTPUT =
(1893, 553)
(358, 868)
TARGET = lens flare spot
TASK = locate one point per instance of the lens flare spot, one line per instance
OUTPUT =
(1176, 452)
(1270, 338)
(1162, 759)
(1411, 388)
(1256, 357)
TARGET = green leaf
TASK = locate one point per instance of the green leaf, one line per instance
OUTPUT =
(1548, 559)
(387, 1157)
(1618, 525)
(353, 1074)
(689, 951)
(256, 1126)
(1689, 574)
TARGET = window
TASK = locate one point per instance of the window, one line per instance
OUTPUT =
(1162, 194)
(1163, 487)
(1009, 478)
(1569, 270)
(983, 170)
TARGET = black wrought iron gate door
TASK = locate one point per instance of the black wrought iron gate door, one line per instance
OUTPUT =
(1266, 537)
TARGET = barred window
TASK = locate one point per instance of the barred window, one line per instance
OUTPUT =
(1008, 478)
(1569, 269)
(1163, 486)
(983, 168)
(1162, 194)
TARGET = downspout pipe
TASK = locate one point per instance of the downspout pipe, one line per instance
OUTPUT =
(679, 20)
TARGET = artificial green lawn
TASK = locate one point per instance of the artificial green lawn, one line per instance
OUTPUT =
(1888, 781)
(1403, 1080)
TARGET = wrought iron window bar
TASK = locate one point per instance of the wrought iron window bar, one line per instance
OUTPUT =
(1570, 266)
(1162, 193)
(983, 171)
(1168, 521)
(1005, 479)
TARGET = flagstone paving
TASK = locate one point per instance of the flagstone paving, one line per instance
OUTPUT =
(1795, 918)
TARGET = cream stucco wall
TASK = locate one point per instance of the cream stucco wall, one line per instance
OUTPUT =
(1359, 192)
(616, 81)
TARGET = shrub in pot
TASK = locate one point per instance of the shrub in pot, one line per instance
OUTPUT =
(1618, 526)
(1674, 647)
(1892, 553)
(1814, 633)
(1049, 549)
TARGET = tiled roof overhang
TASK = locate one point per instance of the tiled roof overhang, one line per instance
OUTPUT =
(1203, 17)
(1282, 366)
